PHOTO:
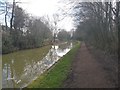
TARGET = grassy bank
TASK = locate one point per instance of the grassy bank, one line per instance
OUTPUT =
(54, 77)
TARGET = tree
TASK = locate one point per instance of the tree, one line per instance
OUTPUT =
(19, 18)
(6, 42)
(12, 15)
(63, 35)
(24, 31)
(5, 9)
(18, 24)
(0, 39)
(39, 31)
(98, 24)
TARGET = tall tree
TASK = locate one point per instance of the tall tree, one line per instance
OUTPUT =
(5, 10)
(12, 15)
(99, 24)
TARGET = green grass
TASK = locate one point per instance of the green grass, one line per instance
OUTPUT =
(54, 77)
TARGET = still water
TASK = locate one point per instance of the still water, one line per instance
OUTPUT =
(19, 73)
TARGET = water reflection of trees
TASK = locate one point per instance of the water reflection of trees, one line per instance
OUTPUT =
(23, 71)
(53, 52)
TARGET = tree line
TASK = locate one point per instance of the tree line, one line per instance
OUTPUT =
(98, 24)
(24, 32)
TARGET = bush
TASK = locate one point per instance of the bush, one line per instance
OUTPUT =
(6, 43)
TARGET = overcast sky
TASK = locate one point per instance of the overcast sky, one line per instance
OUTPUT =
(42, 8)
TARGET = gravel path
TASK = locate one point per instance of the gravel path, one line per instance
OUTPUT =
(86, 72)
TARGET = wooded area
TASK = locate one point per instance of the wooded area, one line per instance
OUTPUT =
(26, 31)
(76, 44)
(99, 24)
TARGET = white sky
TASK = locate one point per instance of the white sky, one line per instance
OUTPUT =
(39, 7)
(47, 7)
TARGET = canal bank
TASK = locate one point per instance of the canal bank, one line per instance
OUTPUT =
(54, 77)
(22, 67)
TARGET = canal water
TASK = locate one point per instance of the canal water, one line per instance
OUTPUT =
(18, 74)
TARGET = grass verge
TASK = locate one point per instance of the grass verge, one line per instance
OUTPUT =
(54, 77)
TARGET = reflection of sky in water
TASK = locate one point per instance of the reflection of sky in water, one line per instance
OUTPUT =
(30, 69)
(62, 52)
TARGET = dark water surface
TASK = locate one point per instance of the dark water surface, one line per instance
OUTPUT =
(19, 71)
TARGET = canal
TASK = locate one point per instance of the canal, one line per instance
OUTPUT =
(20, 70)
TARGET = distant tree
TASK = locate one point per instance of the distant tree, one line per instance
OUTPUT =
(39, 31)
(63, 35)
(0, 39)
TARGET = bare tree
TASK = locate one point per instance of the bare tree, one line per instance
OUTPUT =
(99, 23)
(5, 9)
(12, 15)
